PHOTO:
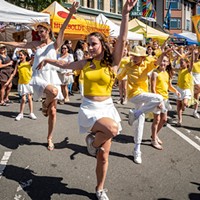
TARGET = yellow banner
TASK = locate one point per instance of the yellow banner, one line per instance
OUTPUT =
(196, 22)
(80, 27)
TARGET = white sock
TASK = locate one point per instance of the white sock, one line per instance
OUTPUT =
(137, 113)
(137, 148)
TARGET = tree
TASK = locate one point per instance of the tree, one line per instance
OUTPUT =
(35, 5)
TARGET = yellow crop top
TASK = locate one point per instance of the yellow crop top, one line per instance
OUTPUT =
(98, 81)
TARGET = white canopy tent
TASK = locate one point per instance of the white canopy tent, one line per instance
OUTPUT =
(114, 28)
(11, 13)
(14, 21)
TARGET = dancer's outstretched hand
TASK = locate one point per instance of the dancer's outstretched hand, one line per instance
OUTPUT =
(74, 7)
(129, 5)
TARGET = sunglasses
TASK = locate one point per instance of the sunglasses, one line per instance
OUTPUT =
(42, 31)
(64, 48)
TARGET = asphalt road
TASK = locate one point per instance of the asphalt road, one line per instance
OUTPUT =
(29, 171)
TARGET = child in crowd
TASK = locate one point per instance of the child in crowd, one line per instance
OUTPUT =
(123, 83)
(24, 69)
(161, 84)
(184, 85)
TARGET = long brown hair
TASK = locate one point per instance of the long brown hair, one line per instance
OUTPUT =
(107, 58)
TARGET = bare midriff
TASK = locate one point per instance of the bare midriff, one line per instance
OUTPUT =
(97, 98)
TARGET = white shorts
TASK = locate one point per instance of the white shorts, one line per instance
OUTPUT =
(24, 89)
(91, 111)
(196, 78)
(185, 94)
(166, 107)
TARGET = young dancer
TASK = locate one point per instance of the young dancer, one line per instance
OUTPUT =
(184, 85)
(123, 83)
(97, 113)
(161, 84)
(24, 69)
(137, 71)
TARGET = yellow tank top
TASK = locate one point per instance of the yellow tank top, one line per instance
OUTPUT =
(162, 83)
(196, 67)
(98, 81)
(184, 79)
(25, 73)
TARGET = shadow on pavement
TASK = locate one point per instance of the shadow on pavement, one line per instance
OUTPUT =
(41, 187)
(9, 113)
(195, 196)
(13, 141)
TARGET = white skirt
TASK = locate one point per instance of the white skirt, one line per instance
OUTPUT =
(196, 78)
(42, 78)
(91, 111)
(24, 89)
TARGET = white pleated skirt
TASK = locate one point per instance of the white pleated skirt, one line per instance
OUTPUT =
(91, 111)
(42, 78)
(24, 89)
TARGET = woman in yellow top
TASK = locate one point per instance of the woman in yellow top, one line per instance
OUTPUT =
(184, 85)
(123, 83)
(196, 78)
(161, 84)
(97, 113)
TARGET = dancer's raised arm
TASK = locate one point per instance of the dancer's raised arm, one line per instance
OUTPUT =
(60, 37)
(119, 46)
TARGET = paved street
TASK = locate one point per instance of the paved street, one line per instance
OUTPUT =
(29, 171)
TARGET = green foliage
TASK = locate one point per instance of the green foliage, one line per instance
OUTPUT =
(35, 5)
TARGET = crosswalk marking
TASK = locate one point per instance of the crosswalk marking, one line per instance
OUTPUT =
(4, 161)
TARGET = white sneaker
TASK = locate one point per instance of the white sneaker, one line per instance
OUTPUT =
(19, 117)
(196, 115)
(32, 116)
(101, 194)
(131, 117)
(89, 140)
(137, 157)
(124, 102)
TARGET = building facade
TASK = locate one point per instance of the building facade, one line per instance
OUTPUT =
(181, 12)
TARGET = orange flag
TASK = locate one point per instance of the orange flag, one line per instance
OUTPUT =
(196, 22)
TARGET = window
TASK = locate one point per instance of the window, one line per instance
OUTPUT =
(175, 4)
(175, 23)
(188, 25)
(100, 4)
(119, 6)
(188, 7)
(90, 3)
(80, 2)
(112, 6)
